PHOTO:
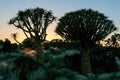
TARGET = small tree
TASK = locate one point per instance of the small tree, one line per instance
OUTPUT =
(34, 22)
(6, 47)
(85, 26)
(14, 36)
(1, 44)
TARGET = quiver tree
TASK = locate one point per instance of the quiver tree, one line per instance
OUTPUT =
(85, 26)
(14, 36)
(34, 22)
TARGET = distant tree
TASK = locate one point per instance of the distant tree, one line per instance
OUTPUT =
(87, 27)
(34, 22)
(1, 44)
(6, 46)
(113, 41)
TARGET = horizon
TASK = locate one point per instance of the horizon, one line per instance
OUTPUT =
(109, 7)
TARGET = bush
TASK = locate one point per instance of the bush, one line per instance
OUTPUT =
(38, 74)
(24, 65)
(102, 58)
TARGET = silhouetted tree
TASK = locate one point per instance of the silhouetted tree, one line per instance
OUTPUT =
(85, 26)
(1, 44)
(34, 22)
(14, 36)
(6, 46)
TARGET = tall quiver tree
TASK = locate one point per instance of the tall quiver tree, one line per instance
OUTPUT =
(34, 22)
(85, 26)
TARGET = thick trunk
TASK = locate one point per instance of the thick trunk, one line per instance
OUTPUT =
(85, 61)
(39, 52)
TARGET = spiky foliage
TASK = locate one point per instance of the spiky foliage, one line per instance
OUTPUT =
(37, 75)
(33, 21)
(86, 25)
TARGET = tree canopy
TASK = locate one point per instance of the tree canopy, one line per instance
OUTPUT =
(33, 22)
(86, 26)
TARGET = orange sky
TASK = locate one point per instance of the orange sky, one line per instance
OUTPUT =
(50, 31)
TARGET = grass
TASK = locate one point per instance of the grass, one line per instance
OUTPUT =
(52, 68)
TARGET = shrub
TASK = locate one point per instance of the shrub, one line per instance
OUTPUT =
(38, 74)
(24, 64)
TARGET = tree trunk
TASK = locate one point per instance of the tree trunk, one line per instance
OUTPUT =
(85, 61)
(39, 52)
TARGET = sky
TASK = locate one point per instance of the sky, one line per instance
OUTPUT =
(9, 9)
